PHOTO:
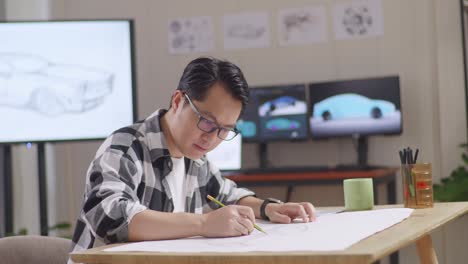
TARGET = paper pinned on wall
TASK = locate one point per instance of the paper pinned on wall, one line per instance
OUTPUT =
(358, 19)
(193, 34)
(302, 25)
(246, 30)
(331, 231)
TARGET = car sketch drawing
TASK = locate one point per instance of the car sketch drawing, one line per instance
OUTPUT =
(32, 82)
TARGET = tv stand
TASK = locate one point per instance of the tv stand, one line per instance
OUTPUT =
(263, 155)
(361, 150)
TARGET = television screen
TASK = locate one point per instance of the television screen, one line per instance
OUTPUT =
(227, 155)
(277, 113)
(248, 122)
(65, 80)
(355, 107)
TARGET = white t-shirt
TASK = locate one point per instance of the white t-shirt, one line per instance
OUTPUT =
(176, 181)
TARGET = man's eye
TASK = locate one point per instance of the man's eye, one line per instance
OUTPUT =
(209, 123)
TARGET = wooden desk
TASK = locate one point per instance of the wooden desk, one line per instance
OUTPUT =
(292, 179)
(417, 228)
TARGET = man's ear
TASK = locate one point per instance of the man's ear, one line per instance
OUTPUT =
(177, 100)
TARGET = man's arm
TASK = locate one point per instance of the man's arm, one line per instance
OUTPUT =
(281, 213)
(232, 220)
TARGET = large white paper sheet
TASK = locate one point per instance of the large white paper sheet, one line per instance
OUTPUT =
(331, 231)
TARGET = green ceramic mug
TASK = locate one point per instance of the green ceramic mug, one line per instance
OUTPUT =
(358, 194)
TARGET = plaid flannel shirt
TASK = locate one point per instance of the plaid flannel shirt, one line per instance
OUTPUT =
(127, 176)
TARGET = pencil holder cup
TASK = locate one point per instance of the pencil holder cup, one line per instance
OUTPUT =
(358, 194)
(417, 185)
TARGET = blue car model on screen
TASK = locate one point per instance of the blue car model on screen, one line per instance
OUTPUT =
(351, 106)
(282, 124)
(247, 128)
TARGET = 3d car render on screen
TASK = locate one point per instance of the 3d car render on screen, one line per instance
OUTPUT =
(360, 107)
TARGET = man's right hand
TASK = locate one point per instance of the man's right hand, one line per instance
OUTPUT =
(228, 221)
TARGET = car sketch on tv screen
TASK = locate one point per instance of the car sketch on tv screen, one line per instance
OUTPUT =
(32, 82)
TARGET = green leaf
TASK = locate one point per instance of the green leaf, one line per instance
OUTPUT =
(60, 226)
(23, 232)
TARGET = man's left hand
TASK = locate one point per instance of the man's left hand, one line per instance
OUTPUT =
(285, 213)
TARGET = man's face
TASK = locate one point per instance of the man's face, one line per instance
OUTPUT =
(218, 107)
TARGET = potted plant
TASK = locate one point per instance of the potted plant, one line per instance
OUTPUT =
(455, 187)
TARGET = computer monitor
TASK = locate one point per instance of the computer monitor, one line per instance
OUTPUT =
(275, 113)
(355, 107)
(227, 155)
(65, 80)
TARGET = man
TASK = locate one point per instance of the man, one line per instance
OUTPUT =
(150, 180)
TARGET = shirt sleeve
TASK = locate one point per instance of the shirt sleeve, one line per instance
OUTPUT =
(111, 195)
(223, 189)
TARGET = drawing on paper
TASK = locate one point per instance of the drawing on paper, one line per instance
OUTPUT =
(302, 25)
(276, 232)
(193, 34)
(246, 30)
(358, 19)
(29, 81)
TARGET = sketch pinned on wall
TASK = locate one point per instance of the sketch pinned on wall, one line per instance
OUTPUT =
(302, 25)
(246, 30)
(358, 19)
(193, 34)
(32, 82)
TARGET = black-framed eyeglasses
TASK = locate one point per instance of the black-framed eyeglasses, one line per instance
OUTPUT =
(209, 126)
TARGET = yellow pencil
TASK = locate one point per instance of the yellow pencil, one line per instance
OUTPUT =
(222, 205)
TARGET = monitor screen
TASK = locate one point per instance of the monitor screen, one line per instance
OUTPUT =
(275, 113)
(355, 107)
(65, 80)
(227, 155)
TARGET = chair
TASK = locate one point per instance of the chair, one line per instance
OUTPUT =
(34, 249)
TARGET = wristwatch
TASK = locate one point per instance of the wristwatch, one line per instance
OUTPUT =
(263, 206)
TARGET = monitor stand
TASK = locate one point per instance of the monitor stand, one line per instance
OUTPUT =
(263, 155)
(361, 149)
(43, 212)
(7, 191)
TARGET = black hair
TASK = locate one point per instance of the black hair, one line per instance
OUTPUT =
(204, 72)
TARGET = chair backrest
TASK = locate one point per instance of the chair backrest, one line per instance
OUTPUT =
(34, 249)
